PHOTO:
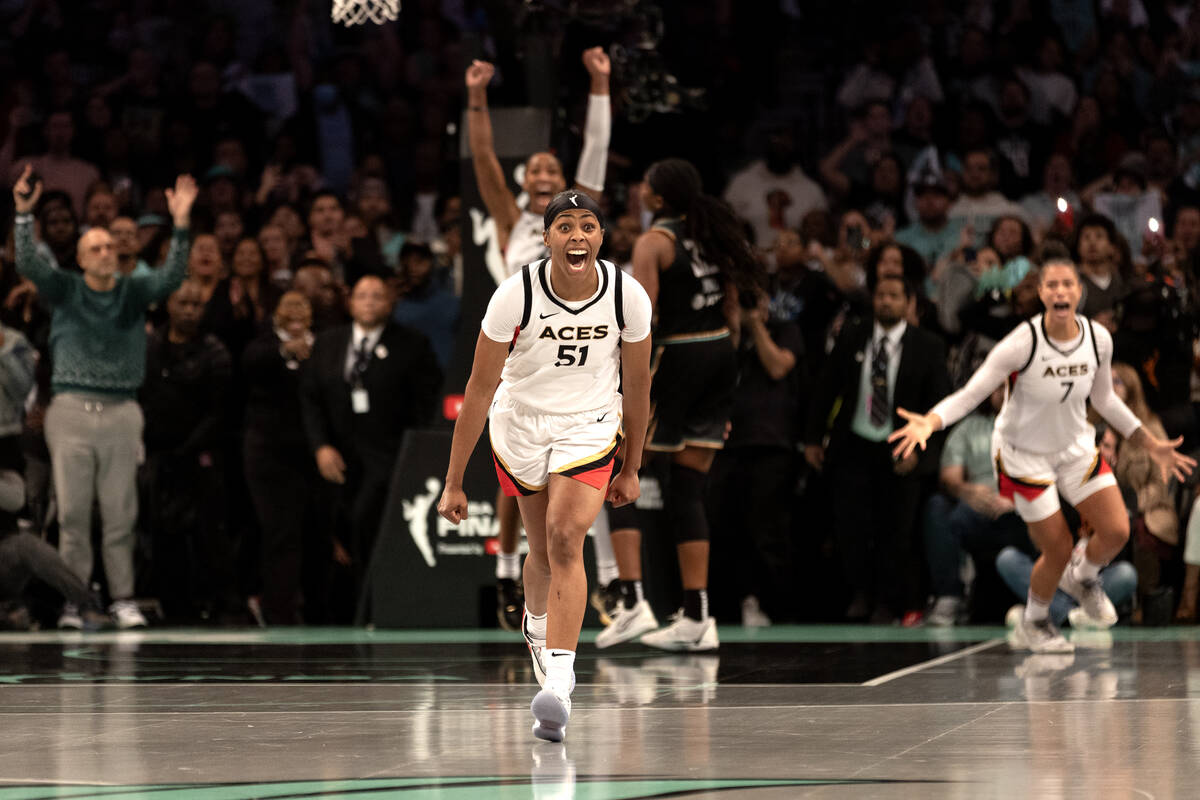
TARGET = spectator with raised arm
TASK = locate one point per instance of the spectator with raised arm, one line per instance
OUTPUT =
(94, 424)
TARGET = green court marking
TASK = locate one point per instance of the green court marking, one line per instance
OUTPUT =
(86, 643)
(457, 788)
(361, 636)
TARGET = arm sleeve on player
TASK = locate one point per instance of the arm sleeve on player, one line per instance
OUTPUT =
(503, 315)
(1103, 398)
(636, 306)
(597, 130)
(1007, 357)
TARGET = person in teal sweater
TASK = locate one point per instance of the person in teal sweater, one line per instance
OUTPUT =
(98, 353)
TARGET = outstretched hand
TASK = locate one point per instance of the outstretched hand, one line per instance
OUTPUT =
(180, 199)
(479, 74)
(914, 434)
(1166, 454)
(25, 197)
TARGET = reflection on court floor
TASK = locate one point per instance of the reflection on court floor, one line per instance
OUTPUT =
(782, 713)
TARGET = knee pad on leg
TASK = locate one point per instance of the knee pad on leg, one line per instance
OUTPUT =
(627, 516)
(684, 505)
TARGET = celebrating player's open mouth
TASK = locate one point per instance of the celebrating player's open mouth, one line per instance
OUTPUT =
(577, 257)
(573, 232)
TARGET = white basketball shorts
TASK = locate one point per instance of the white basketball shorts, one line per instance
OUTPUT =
(528, 445)
(1033, 481)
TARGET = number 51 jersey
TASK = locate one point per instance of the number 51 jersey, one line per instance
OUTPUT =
(565, 356)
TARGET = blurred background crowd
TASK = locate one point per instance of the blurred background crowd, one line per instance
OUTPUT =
(941, 142)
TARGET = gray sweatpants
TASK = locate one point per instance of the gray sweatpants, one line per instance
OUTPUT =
(95, 444)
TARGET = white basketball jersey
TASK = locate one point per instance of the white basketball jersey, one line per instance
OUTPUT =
(525, 242)
(1045, 408)
(565, 355)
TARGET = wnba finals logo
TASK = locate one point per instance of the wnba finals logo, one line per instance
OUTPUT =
(468, 538)
(416, 514)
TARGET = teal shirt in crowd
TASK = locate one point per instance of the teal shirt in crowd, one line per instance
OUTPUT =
(969, 445)
(98, 339)
(931, 244)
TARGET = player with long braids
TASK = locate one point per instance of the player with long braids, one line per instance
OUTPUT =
(694, 259)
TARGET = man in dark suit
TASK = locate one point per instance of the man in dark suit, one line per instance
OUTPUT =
(876, 366)
(364, 386)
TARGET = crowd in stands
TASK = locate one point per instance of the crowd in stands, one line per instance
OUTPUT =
(945, 147)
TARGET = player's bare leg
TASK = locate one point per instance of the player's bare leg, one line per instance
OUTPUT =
(1106, 517)
(556, 527)
(1035, 630)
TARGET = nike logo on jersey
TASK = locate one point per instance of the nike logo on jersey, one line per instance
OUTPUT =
(551, 314)
(601, 417)
(558, 655)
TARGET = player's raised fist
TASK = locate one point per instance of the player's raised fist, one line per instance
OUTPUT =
(596, 61)
(479, 74)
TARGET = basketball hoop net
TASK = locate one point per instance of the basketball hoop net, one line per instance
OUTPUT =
(356, 12)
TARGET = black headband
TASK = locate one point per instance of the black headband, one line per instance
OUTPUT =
(567, 201)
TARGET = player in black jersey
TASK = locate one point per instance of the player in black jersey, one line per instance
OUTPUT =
(691, 262)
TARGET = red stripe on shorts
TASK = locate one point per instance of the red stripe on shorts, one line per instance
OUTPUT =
(597, 478)
(1009, 487)
(507, 485)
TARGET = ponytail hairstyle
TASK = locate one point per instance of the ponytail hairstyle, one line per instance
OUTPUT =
(709, 223)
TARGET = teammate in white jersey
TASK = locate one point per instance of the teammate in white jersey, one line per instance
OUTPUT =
(1044, 445)
(519, 232)
(557, 338)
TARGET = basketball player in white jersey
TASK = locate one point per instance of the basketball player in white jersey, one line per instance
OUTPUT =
(559, 338)
(1043, 445)
(520, 240)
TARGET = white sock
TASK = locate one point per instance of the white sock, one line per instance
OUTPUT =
(1036, 609)
(1085, 570)
(606, 559)
(535, 625)
(560, 670)
(508, 565)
